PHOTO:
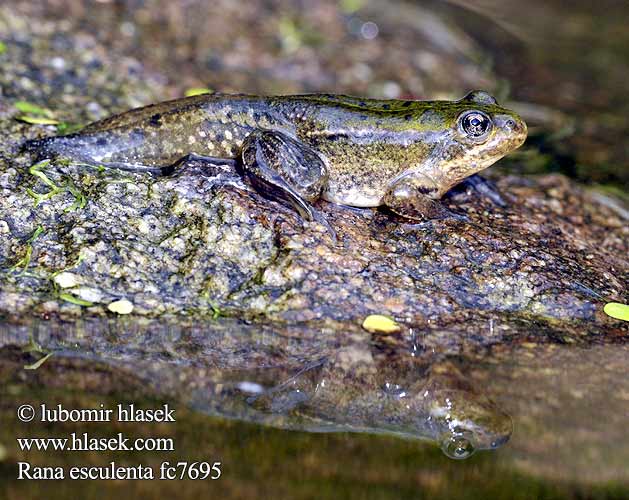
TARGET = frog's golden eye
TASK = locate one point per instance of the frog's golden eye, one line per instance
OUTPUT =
(475, 125)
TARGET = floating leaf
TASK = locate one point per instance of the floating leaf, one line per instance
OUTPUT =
(617, 310)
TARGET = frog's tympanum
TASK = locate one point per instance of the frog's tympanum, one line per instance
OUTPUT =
(347, 150)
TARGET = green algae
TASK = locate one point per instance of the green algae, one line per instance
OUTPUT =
(39, 362)
(33, 347)
(37, 170)
(25, 261)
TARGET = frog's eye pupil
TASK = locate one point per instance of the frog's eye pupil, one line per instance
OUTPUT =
(475, 124)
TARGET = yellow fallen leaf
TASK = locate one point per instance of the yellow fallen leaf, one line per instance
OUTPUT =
(65, 280)
(617, 310)
(122, 306)
(38, 120)
(197, 91)
(380, 323)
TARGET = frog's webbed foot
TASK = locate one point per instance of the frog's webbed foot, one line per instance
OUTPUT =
(284, 169)
(409, 197)
(484, 188)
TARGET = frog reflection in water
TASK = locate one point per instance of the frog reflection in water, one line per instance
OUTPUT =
(347, 150)
(358, 389)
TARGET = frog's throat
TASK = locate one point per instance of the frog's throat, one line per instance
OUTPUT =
(444, 175)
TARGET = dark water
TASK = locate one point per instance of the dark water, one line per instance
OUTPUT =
(572, 64)
(551, 417)
(327, 410)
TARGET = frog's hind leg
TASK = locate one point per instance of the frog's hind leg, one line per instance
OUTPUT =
(286, 170)
(220, 166)
(185, 162)
(292, 392)
(69, 150)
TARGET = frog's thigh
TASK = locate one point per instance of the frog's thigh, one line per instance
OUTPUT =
(284, 169)
(410, 197)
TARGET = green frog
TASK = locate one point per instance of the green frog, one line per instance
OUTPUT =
(402, 154)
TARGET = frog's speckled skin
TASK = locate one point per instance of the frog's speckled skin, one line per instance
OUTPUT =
(366, 152)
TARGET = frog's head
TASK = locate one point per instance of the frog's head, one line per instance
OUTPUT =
(460, 419)
(473, 133)
(463, 423)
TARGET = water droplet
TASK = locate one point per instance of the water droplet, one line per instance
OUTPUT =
(369, 30)
(457, 446)
(394, 390)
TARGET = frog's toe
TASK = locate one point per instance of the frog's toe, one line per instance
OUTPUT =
(321, 219)
(448, 215)
(485, 188)
(458, 217)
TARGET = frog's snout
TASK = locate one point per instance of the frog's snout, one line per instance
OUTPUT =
(513, 126)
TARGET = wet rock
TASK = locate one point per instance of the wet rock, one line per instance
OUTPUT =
(184, 245)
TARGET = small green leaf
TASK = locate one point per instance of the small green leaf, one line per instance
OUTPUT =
(75, 300)
(37, 120)
(3, 47)
(79, 198)
(351, 6)
(32, 109)
(197, 91)
(617, 310)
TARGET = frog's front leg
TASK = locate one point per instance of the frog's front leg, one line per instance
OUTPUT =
(485, 188)
(410, 196)
(284, 169)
